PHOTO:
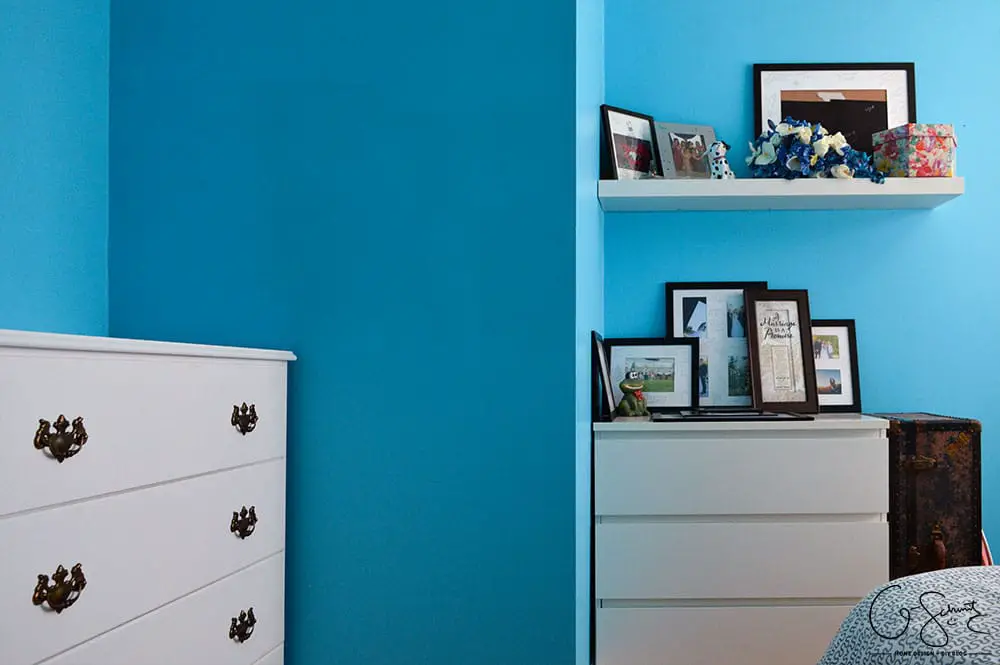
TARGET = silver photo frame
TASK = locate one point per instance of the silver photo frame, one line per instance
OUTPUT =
(682, 149)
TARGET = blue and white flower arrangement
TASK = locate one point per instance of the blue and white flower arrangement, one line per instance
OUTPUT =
(798, 149)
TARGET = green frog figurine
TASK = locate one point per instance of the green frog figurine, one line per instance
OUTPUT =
(632, 403)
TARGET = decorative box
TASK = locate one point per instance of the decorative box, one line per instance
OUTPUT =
(915, 151)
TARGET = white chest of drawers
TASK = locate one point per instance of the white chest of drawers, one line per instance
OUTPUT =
(735, 542)
(142, 526)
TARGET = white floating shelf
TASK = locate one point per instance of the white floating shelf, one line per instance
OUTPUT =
(777, 194)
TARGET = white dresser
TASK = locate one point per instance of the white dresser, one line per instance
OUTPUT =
(742, 543)
(142, 507)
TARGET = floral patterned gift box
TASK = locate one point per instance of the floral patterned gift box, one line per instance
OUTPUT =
(916, 151)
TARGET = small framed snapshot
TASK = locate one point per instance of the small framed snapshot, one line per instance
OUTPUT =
(782, 366)
(602, 399)
(835, 354)
(630, 150)
(714, 313)
(855, 99)
(666, 366)
(683, 149)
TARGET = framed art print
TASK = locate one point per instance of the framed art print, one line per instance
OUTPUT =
(683, 148)
(855, 99)
(835, 354)
(602, 399)
(714, 313)
(630, 150)
(666, 366)
(782, 366)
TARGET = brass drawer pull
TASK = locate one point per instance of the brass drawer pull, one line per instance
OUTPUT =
(242, 628)
(244, 522)
(62, 592)
(61, 444)
(244, 418)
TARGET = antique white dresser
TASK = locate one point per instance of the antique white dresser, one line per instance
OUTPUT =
(142, 502)
(733, 542)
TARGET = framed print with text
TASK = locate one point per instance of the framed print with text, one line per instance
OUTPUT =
(714, 313)
(782, 366)
(666, 366)
(835, 353)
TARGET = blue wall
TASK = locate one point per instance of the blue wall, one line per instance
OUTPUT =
(921, 285)
(54, 166)
(589, 280)
(383, 190)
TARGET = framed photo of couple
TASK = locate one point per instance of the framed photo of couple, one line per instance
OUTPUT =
(835, 354)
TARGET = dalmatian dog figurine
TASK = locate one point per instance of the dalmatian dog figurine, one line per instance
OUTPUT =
(718, 163)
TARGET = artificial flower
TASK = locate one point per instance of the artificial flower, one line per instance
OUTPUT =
(804, 133)
(841, 171)
(838, 142)
(767, 154)
(821, 146)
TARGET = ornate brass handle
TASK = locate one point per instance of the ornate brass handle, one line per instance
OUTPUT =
(919, 463)
(62, 592)
(241, 628)
(244, 522)
(61, 444)
(244, 418)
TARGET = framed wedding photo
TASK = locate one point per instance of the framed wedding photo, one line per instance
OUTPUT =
(782, 365)
(629, 147)
(855, 99)
(666, 366)
(714, 313)
(835, 353)
(683, 148)
(602, 399)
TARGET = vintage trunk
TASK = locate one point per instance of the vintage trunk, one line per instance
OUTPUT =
(935, 512)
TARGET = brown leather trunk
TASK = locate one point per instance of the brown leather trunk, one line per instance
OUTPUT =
(935, 505)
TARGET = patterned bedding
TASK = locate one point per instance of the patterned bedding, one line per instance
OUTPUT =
(949, 616)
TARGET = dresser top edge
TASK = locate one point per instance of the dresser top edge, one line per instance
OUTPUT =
(823, 422)
(22, 339)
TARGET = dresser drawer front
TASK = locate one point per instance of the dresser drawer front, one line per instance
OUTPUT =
(195, 629)
(148, 419)
(713, 476)
(740, 560)
(716, 635)
(138, 551)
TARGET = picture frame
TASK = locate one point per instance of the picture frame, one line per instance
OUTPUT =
(724, 359)
(683, 149)
(835, 354)
(856, 99)
(602, 399)
(670, 365)
(629, 147)
(782, 369)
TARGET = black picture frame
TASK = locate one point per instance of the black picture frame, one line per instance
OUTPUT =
(851, 365)
(859, 140)
(718, 354)
(691, 343)
(807, 371)
(609, 165)
(602, 398)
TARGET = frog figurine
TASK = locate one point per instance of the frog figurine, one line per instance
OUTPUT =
(632, 403)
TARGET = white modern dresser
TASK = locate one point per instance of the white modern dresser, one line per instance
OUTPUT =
(731, 542)
(142, 502)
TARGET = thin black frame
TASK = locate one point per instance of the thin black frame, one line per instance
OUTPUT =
(609, 169)
(670, 288)
(852, 340)
(908, 67)
(801, 297)
(602, 400)
(662, 341)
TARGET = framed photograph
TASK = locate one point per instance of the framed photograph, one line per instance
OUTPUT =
(683, 148)
(714, 313)
(630, 150)
(856, 99)
(602, 399)
(666, 366)
(835, 354)
(782, 366)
